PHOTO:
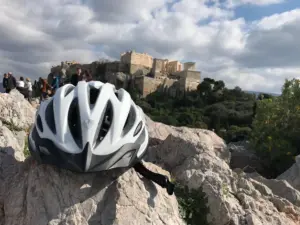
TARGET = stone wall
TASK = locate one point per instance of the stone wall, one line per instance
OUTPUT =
(174, 66)
(189, 80)
(171, 86)
(132, 57)
(159, 66)
(137, 70)
(150, 85)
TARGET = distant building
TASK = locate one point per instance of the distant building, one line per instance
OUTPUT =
(142, 72)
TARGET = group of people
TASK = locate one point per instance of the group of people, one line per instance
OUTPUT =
(24, 87)
(42, 88)
(79, 76)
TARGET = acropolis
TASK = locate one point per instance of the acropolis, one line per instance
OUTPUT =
(142, 72)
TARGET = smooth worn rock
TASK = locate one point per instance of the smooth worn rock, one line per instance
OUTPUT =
(292, 175)
(199, 158)
(44, 194)
(15, 111)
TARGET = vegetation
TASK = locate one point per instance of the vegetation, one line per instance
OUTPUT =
(26, 149)
(11, 125)
(213, 106)
(276, 129)
(270, 123)
(193, 205)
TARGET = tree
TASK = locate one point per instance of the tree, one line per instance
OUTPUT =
(276, 130)
(219, 85)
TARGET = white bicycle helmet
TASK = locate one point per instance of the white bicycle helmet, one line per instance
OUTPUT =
(90, 127)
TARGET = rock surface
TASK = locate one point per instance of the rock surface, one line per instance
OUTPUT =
(42, 194)
(292, 175)
(16, 111)
(243, 157)
(200, 158)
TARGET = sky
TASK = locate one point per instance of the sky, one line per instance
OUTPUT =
(252, 44)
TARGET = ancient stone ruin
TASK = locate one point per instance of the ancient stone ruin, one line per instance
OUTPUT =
(139, 71)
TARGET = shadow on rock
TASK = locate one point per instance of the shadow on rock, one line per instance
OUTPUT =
(151, 188)
(38, 194)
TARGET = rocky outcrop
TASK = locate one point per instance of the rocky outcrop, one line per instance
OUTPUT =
(120, 79)
(243, 157)
(15, 111)
(43, 194)
(292, 175)
(199, 158)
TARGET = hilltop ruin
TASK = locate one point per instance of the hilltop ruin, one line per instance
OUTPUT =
(140, 71)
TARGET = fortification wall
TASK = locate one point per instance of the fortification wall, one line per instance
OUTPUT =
(137, 70)
(126, 57)
(137, 58)
(174, 66)
(161, 84)
(159, 66)
(141, 59)
(151, 85)
(171, 86)
(189, 80)
(193, 75)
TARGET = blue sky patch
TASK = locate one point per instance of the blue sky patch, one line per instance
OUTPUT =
(255, 12)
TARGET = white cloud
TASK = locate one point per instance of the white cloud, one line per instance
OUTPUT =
(255, 55)
(235, 3)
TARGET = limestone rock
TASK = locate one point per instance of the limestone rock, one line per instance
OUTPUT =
(198, 157)
(44, 194)
(243, 157)
(47, 195)
(292, 175)
(15, 111)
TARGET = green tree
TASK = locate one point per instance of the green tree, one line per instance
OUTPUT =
(276, 130)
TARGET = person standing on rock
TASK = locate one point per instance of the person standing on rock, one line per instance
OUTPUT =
(20, 83)
(45, 87)
(28, 86)
(5, 82)
(11, 82)
(55, 83)
(76, 76)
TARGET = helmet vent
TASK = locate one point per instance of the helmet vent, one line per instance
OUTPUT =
(129, 121)
(69, 90)
(94, 93)
(103, 127)
(49, 117)
(74, 122)
(117, 95)
(138, 128)
(39, 123)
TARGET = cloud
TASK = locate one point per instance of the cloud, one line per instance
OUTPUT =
(273, 42)
(235, 3)
(255, 55)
